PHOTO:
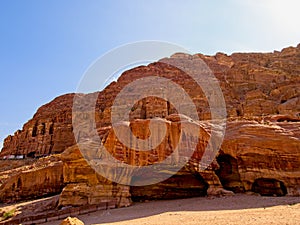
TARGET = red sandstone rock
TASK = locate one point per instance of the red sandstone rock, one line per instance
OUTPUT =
(43, 178)
(254, 151)
(49, 131)
(253, 84)
(260, 151)
(85, 187)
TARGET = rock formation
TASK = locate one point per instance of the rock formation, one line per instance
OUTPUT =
(40, 179)
(49, 131)
(71, 221)
(86, 187)
(260, 151)
(261, 157)
(254, 85)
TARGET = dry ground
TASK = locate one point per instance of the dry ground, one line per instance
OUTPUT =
(238, 209)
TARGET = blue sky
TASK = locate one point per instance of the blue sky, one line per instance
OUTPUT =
(45, 46)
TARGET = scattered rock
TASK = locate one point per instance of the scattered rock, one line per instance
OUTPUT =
(71, 221)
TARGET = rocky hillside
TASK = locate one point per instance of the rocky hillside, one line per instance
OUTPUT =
(254, 85)
(260, 151)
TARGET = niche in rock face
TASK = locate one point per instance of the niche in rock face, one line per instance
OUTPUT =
(177, 186)
(34, 131)
(228, 173)
(269, 187)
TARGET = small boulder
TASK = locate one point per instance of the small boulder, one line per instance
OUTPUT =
(71, 221)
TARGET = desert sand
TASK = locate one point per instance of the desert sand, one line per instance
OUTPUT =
(237, 209)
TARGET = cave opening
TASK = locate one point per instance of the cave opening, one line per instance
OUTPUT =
(177, 186)
(31, 155)
(34, 131)
(51, 129)
(228, 173)
(287, 119)
(269, 187)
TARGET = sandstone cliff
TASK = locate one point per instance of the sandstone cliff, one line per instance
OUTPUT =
(49, 131)
(261, 157)
(85, 186)
(254, 85)
(40, 179)
(260, 152)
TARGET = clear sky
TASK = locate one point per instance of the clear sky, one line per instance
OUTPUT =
(45, 46)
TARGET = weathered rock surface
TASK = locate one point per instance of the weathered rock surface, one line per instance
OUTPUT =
(13, 164)
(253, 84)
(85, 187)
(255, 156)
(262, 157)
(43, 178)
(260, 151)
(49, 131)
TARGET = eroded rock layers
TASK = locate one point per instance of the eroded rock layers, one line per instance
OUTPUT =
(260, 151)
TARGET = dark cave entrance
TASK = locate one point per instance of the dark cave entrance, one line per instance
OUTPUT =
(228, 173)
(269, 187)
(31, 155)
(177, 186)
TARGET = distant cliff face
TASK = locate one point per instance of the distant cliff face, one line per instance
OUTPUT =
(254, 85)
(42, 178)
(49, 131)
(260, 151)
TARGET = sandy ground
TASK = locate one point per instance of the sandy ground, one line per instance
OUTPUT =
(238, 209)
